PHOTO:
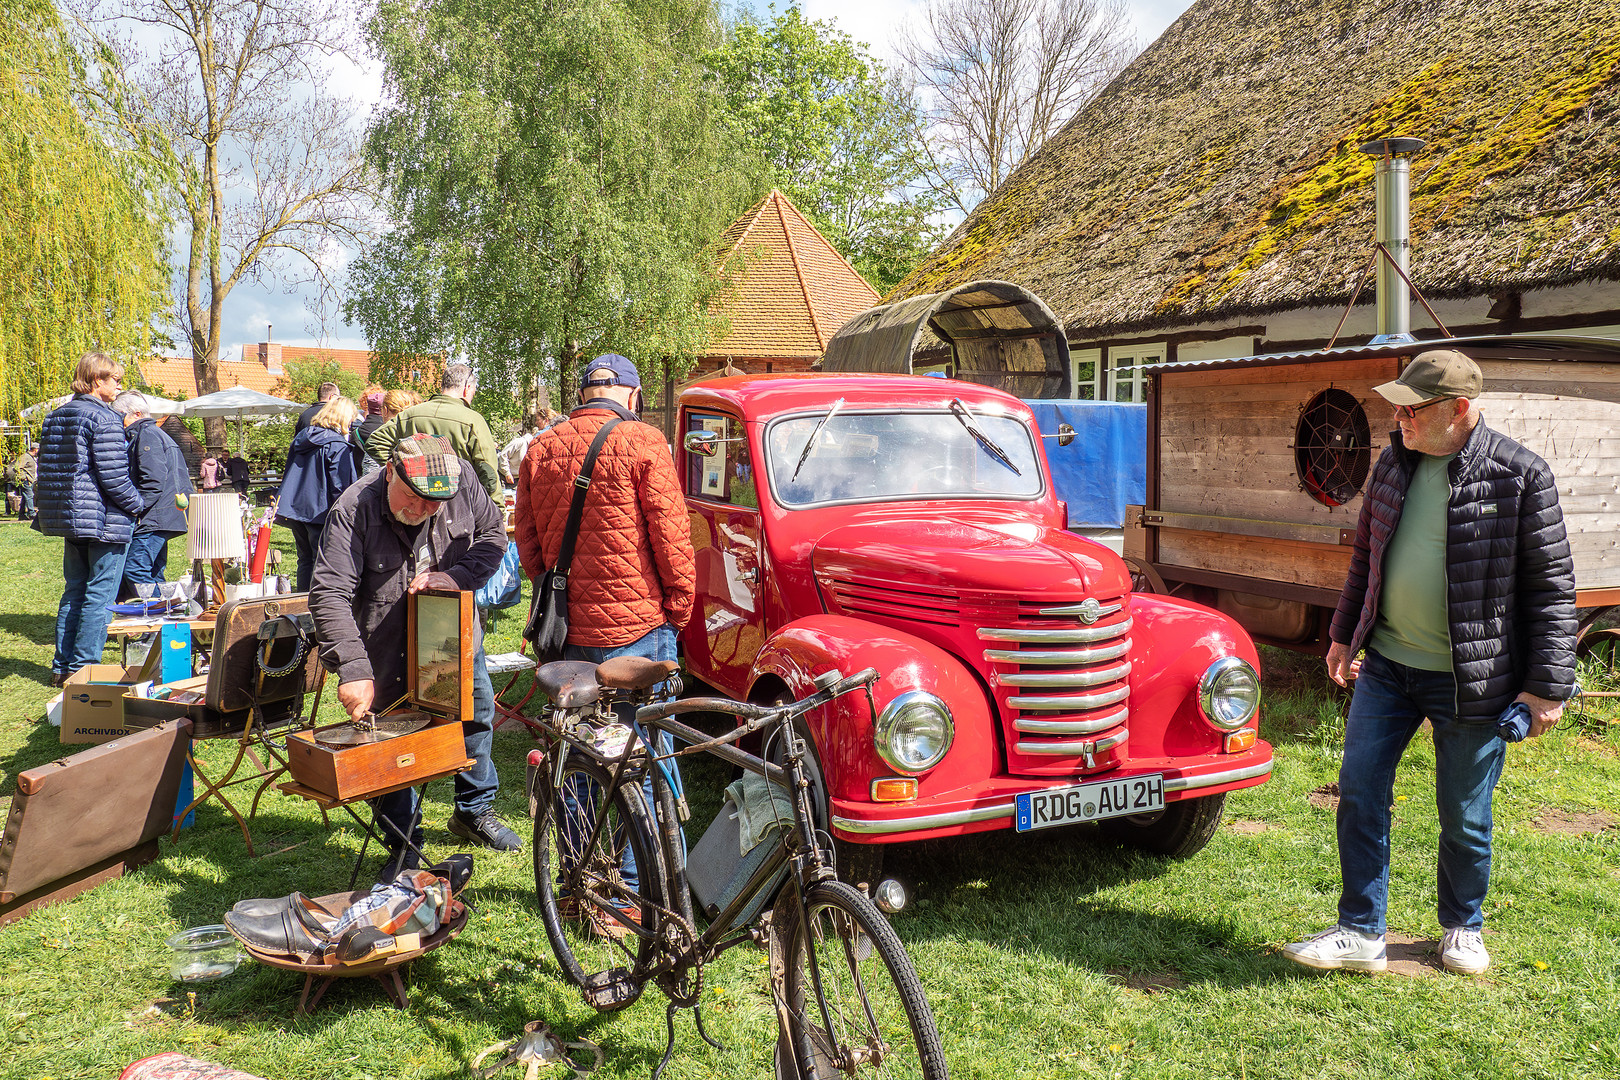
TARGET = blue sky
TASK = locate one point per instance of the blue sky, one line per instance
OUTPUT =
(252, 306)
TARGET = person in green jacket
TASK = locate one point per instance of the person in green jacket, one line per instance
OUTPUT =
(448, 413)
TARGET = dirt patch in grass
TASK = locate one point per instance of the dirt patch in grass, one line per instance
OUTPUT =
(1246, 827)
(1576, 823)
(1325, 797)
(1148, 982)
(1412, 957)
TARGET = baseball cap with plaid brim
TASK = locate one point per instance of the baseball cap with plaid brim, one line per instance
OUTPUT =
(428, 465)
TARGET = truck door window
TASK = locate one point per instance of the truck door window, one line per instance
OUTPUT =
(727, 477)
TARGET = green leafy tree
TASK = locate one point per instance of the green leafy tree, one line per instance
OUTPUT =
(837, 134)
(558, 173)
(82, 254)
(302, 377)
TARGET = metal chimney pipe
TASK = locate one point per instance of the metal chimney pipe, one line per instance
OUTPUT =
(1392, 188)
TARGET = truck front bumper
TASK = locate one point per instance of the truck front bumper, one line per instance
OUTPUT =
(993, 806)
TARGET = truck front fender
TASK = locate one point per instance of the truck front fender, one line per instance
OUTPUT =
(842, 730)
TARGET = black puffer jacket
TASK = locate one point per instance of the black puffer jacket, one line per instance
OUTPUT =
(1510, 579)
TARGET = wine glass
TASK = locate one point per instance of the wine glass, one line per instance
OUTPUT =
(144, 590)
(168, 590)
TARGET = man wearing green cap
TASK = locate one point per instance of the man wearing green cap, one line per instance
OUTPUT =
(422, 522)
(1462, 592)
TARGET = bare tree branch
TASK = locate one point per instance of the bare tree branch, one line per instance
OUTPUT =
(997, 78)
(230, 97)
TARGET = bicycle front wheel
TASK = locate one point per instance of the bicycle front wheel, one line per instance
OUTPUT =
(855, 1005)
(593, 853)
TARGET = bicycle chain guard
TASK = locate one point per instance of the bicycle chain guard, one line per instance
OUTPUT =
(537, 1046)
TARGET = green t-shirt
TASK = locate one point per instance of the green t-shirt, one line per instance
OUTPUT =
(1414, 627)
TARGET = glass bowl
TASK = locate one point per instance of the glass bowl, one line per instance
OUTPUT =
(203, 954)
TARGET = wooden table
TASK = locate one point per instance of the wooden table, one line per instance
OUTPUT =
(125, 628)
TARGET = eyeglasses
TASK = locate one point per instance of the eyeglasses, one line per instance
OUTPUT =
(1409, 411)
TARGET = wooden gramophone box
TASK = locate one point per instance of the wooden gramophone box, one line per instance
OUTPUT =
(439, 646)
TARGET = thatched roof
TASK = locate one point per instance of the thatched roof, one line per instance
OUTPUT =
(1219, 175)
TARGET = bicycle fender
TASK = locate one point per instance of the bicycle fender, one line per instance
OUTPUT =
(843, 730)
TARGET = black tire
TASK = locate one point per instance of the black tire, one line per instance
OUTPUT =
(1180, 830)
(876, 1021)
(562, 870)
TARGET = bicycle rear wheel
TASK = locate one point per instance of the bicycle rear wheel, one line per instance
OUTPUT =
(580, 870)
(855, 1005)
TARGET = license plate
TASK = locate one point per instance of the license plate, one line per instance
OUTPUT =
(1089, 802)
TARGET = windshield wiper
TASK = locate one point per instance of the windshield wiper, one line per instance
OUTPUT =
(960, 411)
(810, 443)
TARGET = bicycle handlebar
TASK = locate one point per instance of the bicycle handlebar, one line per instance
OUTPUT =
(758, 715)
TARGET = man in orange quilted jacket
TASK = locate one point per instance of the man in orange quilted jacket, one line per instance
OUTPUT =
(633, 578)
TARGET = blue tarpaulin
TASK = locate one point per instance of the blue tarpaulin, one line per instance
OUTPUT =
(1105, 468)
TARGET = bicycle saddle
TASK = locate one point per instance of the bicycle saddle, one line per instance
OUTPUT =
(569, 683)
(634, 672)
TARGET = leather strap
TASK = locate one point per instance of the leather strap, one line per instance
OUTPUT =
(576, 508)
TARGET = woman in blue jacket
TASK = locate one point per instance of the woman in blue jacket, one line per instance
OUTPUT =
(86, 497)
(321, 462)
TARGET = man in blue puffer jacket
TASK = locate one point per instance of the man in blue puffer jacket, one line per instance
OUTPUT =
(86, 497)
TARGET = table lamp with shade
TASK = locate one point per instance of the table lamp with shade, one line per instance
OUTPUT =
(214, 534)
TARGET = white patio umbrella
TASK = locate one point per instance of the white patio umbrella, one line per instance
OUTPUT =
(239, 402)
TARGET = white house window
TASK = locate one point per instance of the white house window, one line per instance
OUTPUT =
(1124, 375)
(1085, 368)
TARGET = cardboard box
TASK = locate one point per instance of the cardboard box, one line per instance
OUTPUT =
(93, 703)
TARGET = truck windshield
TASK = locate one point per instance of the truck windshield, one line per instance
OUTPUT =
(859, 457)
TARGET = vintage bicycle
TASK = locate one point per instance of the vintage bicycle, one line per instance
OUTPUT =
(610, 873)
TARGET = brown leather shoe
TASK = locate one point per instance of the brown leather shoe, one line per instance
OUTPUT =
(58, 679)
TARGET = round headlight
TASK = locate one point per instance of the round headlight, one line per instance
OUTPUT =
(1229, 693)
(914, 731)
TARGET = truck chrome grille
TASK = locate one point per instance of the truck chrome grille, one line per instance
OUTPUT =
(894, 602)
(1062, 683)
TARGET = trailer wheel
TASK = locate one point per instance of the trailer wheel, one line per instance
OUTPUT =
(1180, 830)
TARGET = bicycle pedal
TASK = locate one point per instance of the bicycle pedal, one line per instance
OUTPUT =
(611, 990)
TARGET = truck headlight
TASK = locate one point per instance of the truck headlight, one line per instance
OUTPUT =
(914, 731)
(1229, 693)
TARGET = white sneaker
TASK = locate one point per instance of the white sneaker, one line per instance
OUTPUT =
(1463, 951)
(1339, 947)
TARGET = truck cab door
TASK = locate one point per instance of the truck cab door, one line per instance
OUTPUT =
(727, 629)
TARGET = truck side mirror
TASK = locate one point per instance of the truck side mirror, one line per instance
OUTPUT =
(1065, 434)
(702, 443)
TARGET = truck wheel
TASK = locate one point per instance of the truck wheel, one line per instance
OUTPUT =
(1180, 830)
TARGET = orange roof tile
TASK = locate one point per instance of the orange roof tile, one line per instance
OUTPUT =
(793, 289)
(261, 368)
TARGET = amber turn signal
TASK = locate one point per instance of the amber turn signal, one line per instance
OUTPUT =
(894, 789)
(1239, 741)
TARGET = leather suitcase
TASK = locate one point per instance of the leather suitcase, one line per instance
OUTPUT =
(89, 817)
(234, 686)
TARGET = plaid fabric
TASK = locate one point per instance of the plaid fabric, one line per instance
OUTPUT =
(413, 903)
(428, 463)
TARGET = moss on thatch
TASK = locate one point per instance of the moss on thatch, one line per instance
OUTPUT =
(1220, 173)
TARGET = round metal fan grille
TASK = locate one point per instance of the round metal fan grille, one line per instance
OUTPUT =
(1333, 448)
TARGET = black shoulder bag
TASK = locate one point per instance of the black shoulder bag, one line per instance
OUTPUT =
(547, 631)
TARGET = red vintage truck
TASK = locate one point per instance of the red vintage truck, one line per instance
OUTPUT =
(910, 524)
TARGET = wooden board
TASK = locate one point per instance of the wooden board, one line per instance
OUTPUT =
(1318, 565)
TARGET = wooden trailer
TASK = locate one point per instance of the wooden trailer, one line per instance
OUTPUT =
(1256, 468)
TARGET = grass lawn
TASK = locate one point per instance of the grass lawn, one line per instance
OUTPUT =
(1050, 954)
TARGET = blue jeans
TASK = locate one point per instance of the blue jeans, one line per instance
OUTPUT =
(1391, 701)
(146, 560)
(27, 493)
(475, 788)
(656, 644)
(91, 571)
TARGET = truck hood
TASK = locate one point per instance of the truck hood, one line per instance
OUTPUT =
(1009, 557)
